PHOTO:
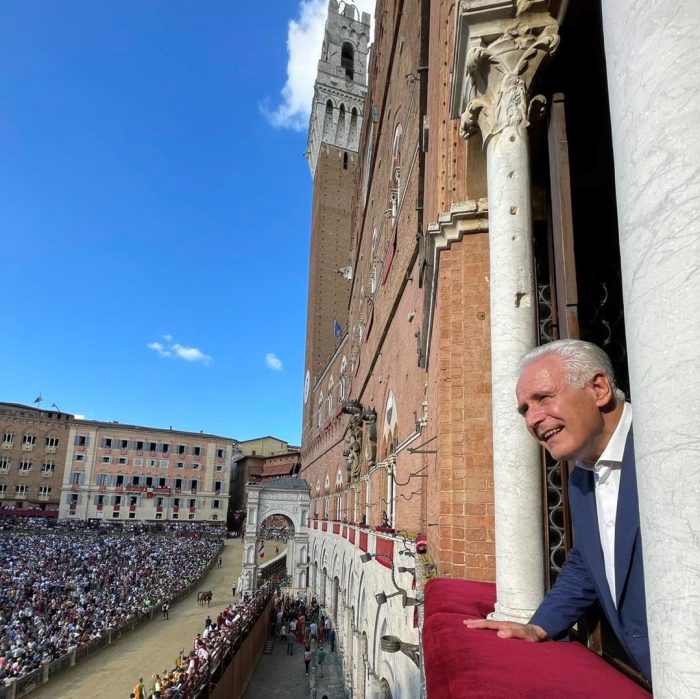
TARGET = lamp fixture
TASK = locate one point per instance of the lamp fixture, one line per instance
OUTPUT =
(416, 474)
(412, 571)
(393, 644)
(382, 597)
(410, 602)
(366, 557)
(406, 552)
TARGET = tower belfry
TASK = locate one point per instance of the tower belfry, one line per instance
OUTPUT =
(333, 141)
(341, 82)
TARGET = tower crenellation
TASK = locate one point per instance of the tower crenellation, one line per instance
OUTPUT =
(341, 82)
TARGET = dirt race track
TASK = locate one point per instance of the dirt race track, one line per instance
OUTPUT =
(112, 672)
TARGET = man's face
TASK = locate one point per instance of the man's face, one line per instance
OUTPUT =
(564, 419)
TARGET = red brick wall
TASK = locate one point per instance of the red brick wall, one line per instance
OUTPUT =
(462, 507)
(330, 249)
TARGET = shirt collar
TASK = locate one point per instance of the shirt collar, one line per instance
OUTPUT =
(615, 449)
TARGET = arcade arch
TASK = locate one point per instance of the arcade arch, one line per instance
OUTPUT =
(282, 500)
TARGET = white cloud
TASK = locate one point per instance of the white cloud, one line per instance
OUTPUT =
(157, 347)
(178, 351)
(273, 361)
(304, 43)
(191, 354)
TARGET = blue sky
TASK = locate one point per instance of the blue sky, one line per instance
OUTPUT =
(155, 209)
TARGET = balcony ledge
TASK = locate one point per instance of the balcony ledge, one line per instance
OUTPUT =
(456, 657)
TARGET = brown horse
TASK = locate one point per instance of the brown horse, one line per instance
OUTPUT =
(204, 598)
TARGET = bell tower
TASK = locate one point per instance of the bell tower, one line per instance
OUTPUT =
(334, 135)
(341, 82)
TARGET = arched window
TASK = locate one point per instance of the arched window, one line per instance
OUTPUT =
(328, 120)
(352, 135)
(343, 378)
(347, 60)
(396, 160)
(331, 385)
(320, 409)
(390, 421)
(396, 146)
(340, 130)
(373, 271)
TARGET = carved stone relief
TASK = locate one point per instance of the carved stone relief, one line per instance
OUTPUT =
(500, 76)
(370, 441)
(353, 450)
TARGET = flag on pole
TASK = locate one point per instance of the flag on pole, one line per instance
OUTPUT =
(337, 329)
(38, 399)
(261, 550)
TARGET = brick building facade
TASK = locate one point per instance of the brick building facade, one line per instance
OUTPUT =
(497, 204)
(69, 468)
(33, 447)
(126, 472)
(257, 460)
(366, 398)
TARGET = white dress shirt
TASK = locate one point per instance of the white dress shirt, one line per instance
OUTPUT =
(606, 476)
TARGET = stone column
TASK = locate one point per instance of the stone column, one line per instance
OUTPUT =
(653, 58)
(291, 562)
(500, 72)
(249, 569)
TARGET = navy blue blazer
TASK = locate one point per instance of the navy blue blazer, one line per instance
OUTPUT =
(582, 578)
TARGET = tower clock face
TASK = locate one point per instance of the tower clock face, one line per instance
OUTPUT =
(307, 380)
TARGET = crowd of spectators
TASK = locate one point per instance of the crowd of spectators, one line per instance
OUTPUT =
(269, 532)
(300, 619)
(193, 669)
(62, 586)
(135, 527)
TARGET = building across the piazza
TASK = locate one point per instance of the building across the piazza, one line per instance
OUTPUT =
(93, 470)
(256, 460)
(33, 448)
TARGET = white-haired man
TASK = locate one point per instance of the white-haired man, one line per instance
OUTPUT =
(567, 394)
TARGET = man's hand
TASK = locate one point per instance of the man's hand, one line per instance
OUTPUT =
(510, 629)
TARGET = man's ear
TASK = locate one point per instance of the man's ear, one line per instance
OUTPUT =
(602, 391)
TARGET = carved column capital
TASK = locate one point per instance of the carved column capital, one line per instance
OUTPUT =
(500, 78)
(495, 63)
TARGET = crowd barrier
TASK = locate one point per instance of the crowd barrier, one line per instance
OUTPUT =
(274, 568)
(232, 659)
(236, 672)
(27, 683)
